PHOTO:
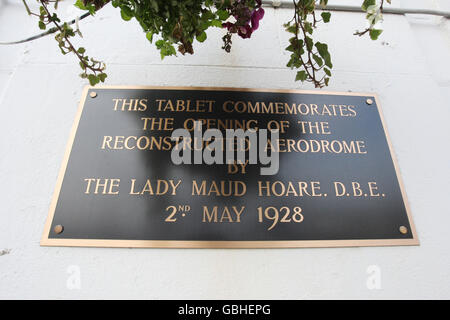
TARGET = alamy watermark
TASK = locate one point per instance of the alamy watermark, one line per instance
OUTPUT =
(73, 282)
(238, 146)
(373, 281)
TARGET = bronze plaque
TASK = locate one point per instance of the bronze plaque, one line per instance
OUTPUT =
(337, 182)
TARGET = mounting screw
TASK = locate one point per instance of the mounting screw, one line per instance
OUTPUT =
(58, 229)
(403, 230)
(369, 101)
(93, 94)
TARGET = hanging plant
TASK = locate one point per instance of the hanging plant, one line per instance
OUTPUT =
(174, 26)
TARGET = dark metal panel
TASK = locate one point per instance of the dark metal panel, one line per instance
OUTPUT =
(339, 220)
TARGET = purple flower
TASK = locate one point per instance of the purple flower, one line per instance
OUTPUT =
(256, 16)
(246, 21)
(245, 31)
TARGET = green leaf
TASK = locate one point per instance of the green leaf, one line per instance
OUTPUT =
(290, 48)
(204, 25)
(93, 79)
(102, 77)
(375, 33)
(318, 60)
(81, 50)
(322, 48)
(326, 16)
(308, 27)
(89, 6)
(80, 5)
(126, 14)
(323, 3)
(309, 43)
(367, 3)
(154, 5)
(166, 48)
(207, 15)
(42, 25)
(291, 29)
(149, 36)
(54, 17)
(201, 37)
(222, 14)
(290, 63)
(301, 75)
(159, 43)
(216, 23)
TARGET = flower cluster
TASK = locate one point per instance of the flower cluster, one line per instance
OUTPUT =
(247, 17)
(168, 24)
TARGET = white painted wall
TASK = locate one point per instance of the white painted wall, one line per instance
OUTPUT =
(39, 92)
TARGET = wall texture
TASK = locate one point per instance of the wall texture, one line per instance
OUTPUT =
(39, 92)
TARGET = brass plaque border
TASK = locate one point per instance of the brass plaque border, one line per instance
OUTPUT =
(46, 241)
